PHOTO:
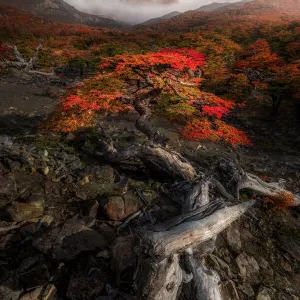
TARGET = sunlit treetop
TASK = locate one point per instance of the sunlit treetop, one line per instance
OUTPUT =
(171, 77)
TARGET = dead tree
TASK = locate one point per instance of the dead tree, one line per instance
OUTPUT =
(27, 66)
(169, 259)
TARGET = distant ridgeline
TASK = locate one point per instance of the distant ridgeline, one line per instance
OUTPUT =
(59, 10)
(150, 1)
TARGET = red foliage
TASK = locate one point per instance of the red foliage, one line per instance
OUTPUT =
(217, 111)
(281, 202)
(202, 129)
(176, 59)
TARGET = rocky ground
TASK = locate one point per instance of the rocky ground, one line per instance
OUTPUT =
(62, 230)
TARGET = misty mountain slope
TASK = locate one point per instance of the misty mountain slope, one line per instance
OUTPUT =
(58, 10)
(165, 17)
(149, 1)
(218, 6)
(232, 16)
(213, 6)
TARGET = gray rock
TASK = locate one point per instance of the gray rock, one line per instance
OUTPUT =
(34, 295)
(91, 209)
(290, 245)
(229, 291)
(263, 295)
(104, 174)
(8, 293)
(247, 265)
(47, 293)
(36, 277)
(69, 240)
(81, 195)
(233, 238)
(68, 179)
(247, 290)
(23, 212)
(123, 255)
(6, 140)
(8, 190)
(10, 288)
(28, 263)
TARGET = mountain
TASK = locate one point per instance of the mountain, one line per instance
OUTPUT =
(150, 1)
(159, 19)
(58, 10)
(249, 15)
(213, 6)
(216, 6)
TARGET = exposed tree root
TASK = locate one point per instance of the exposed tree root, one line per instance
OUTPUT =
(259, 187)
(168, 264)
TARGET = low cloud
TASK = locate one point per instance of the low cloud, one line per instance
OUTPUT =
(135, 13)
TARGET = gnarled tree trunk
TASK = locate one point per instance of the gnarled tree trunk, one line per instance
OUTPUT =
(169, 267)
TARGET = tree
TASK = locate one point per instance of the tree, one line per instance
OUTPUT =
(168, 80)
(270, 74)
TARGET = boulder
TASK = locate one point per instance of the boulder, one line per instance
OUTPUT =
(48, 293)
(10, 287)
(19, 211)
(36, 277)
(263, 294)
(229, 291)
(69, 240)
(233, 239)
(247, 265)
(119, 208)
(123, 255)
(8, 189)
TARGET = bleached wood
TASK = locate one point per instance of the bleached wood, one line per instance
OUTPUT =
(204, 285)
(21, 63)
(165, 161)
(187, 234)
(259, 187)
(158, 279)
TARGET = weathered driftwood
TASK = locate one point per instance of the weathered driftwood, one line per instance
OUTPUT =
(180, 236)
(158, 279)
(204, 284)
(166, 162)
(261, 188)
(168, 268)
(235, 179)
(186, 234)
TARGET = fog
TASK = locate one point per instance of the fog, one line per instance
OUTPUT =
(136, 13)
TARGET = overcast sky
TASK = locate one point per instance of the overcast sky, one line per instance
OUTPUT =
(136, 13)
